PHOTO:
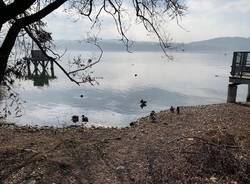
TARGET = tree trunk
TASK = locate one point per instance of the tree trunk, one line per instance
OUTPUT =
(12, 34)
(6, 48)
(3, 64)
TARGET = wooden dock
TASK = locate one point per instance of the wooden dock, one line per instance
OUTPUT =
(39, 68)
(240, 74)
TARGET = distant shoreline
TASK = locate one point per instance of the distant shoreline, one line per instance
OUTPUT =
(222, 44)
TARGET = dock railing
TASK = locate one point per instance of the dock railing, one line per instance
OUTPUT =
(241, 64)
(240, 74)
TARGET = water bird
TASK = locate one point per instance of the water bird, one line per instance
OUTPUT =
(81, 96)
(172, 109)
(178, 110)
(132, 123)
(75, 118)
(136, 75)
(152, 116)
(143, 103)
(85, 119)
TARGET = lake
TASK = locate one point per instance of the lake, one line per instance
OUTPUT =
(124, 79)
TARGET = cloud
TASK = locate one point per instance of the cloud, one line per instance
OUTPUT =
(214, 18)
(203, 20)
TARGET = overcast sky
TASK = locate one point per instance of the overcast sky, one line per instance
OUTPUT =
(204, 19)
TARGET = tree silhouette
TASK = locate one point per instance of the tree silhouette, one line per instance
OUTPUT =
(22, 19)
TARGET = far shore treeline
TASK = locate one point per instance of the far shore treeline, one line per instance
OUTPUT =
(221, 44)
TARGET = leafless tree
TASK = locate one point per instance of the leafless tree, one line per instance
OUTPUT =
(20, 20)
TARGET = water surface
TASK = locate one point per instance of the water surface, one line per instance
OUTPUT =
(190, 79)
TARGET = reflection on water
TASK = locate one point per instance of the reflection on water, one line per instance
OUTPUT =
(191, 79)
(39, 69)
(40, 73)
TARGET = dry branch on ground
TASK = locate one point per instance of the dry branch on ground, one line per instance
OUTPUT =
(203, 144)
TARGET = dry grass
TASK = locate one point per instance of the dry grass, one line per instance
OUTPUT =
(203, 144)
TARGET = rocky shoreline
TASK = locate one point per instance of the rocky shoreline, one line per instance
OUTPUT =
(201, 144)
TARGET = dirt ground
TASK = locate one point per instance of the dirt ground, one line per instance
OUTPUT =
(202, 144)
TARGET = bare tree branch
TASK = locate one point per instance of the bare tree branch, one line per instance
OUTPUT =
(92, 63)
(149, 12)
(14, 9)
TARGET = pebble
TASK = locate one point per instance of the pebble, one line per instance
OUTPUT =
(213, 179)
(120, 167)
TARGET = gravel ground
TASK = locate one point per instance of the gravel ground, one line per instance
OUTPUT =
(201, 144)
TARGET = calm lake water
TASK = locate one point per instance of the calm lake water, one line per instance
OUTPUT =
(190, 79)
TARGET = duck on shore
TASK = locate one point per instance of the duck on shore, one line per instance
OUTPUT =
(178, 110)
(172, 109)
(143, 103)
(153, 116)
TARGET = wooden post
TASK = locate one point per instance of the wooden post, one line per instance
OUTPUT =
(248, 93)
(52, 69)
(232, 93)
(35, 67)
(28, 66)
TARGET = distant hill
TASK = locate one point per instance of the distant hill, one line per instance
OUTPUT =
(107, 45)
(221, 44)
